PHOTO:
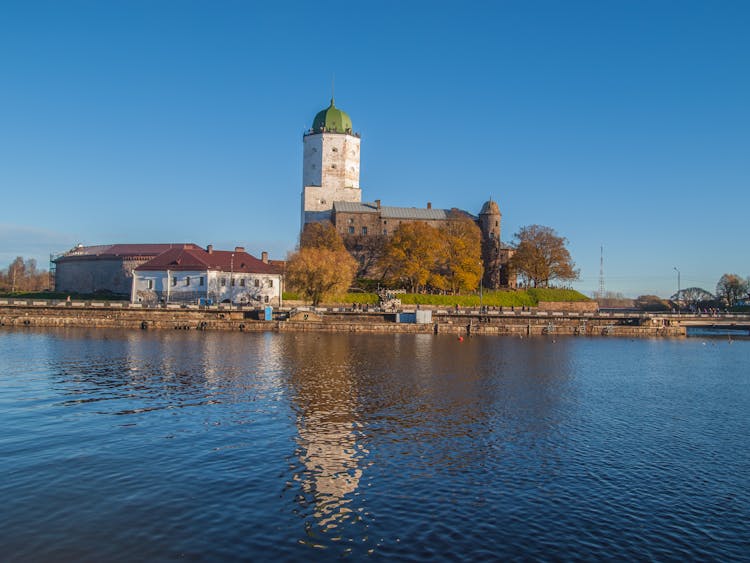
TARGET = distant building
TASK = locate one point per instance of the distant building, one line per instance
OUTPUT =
(331, 192)
(104, 268)
(191, 274)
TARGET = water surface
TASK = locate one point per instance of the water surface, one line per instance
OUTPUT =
(131, 445)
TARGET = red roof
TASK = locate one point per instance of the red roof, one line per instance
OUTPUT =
(196, 258)
(122, 250)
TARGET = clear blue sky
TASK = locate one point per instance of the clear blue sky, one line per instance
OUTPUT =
(623, 124)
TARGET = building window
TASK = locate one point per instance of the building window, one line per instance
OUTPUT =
(333, 166)
(233, 281)
(385, 231)
(174, 281)
(497, 223)
(200, 280)
(385, 222)
(266, 298)
(334, 149)
(149, 284)
(351, 220)
(364, 230)
(270, 283)
(257, 282)
(187, 280)
(351, 230)
(242, 282)
(223, 282)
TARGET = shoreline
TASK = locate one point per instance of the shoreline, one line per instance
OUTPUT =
(308, 319)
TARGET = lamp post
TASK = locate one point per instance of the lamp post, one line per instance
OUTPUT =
(678, 289)
(231, 280)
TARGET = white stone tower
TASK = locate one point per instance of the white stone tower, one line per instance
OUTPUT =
(330, 165)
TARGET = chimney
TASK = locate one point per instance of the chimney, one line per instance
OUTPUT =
(377, 203)
(429, 205)
(210, 249)
(264, 257)
(239, 249)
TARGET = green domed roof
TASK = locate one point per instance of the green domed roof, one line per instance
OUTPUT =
(332, 120)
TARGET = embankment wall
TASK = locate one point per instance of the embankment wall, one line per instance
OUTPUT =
(104, 315)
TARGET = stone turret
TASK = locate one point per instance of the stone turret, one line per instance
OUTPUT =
(492, 257)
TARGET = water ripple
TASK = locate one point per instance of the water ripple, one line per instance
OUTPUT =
(122, 446)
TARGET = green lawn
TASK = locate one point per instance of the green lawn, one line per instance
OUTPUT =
(490, 298)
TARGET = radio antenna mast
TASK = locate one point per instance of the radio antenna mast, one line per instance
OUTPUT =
(601, 273)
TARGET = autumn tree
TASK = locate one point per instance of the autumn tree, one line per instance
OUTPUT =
(541, 256)
(319, 272)
(460, 261)
(731, 288)
(321, 235)
(412, 253)
(368, 251)
(322, 266)
(23, 275)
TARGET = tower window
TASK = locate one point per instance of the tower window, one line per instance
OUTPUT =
(497, 223)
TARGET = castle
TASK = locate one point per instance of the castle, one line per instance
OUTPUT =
(331, 192)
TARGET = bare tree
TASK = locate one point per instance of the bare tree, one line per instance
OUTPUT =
(692, 297)
(731, 288)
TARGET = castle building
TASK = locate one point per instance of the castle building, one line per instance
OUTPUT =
(331, 192)
(330, 164)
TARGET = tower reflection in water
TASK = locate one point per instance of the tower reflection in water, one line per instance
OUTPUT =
(329, 457)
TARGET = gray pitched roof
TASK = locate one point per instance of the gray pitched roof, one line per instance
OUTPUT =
(389, 212)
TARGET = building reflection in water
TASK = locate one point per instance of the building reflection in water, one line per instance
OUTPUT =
(325, 399)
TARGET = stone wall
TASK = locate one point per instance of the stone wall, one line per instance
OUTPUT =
(92, 275)
(118, 315)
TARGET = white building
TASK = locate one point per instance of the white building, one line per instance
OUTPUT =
(190, 274)
(330, 164)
